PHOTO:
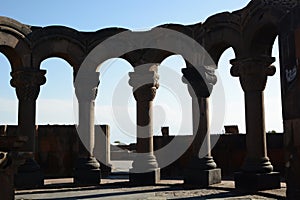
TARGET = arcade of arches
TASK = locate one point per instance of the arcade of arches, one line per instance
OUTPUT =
(251, 33)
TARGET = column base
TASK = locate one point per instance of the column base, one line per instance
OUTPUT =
(202, 178)
(29, 175)
(257, 181)
(87, 172)
(147, 178)
(105, 170)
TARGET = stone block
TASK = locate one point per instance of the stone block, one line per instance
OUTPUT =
(29, 179)
(105, 170)
(87, 177)
(257, 181)
(148, 178)
(29, 175)
(202, 178)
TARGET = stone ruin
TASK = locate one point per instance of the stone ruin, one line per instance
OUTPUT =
(250, 31)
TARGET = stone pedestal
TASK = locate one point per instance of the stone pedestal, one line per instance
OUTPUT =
(202, 178)
(257, 170)
(29, 175)
(27, 84)
(144, 81)
(144, 170)
(148, 178)
(105, 169)
(257, 181)
(87, 172)
(202, 172)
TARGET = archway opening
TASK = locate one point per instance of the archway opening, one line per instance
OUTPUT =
(56, 133)
(273, 107)
(173, 103)
(234, 95)
(55, 101)
(8, 98)
(115, 106)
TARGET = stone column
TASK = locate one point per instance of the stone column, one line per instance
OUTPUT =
(27, 83)
(200, 171)
(87, 169)
(257, 171)
(144, 81)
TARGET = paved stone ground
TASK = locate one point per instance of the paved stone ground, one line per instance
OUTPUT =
(117, 187)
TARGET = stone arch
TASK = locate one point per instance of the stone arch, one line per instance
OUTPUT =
(145, 56)
(14, 43)
(95, 55)
(95, 38)
(261, 24)
(220, 32)
(58, 41)
(99, 53)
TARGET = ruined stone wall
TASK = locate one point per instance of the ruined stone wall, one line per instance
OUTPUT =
(229, 153)
(57, 150)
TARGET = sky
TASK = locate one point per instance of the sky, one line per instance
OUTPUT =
(115, 104)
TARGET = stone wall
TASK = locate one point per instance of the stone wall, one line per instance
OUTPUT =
(229, 153)
(57, 150)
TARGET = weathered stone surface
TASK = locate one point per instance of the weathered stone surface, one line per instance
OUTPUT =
(29, 175)
(9, 162)
(202, 178)
(148, 178)
(250, 31)
(253, 73)
(256, 182)
(87, 172)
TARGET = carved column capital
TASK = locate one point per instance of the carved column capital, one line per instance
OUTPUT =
(86, 86)
(253, 72)
(144, 82)
(27, 83)
(200, 83)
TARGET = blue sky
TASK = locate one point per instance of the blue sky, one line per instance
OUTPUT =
(55, 102)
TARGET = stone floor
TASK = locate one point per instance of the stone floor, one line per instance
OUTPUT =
(117, 187)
